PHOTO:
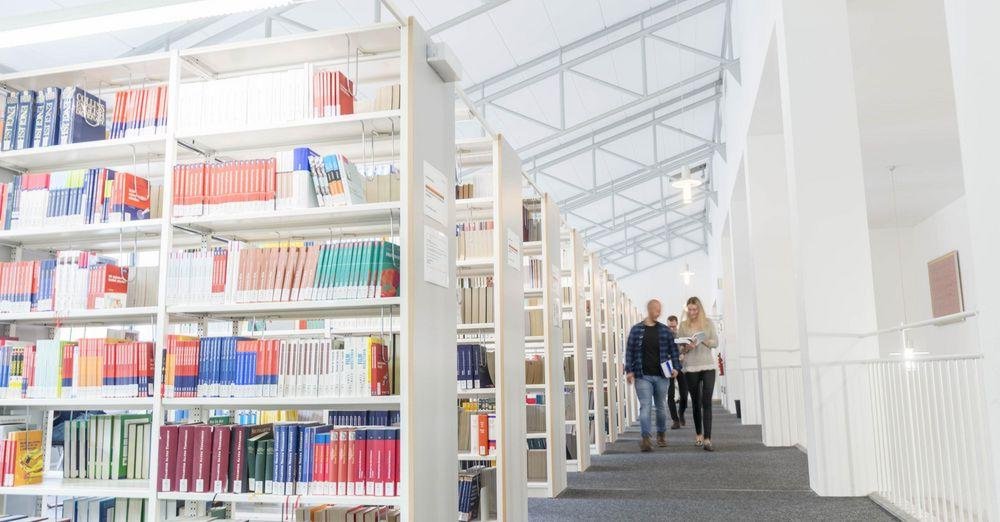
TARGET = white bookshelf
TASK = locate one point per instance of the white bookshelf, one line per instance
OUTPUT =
(598, 384)
(551, 349)
(422, 128)
(608, 331)
(506, 333)
(574, 311)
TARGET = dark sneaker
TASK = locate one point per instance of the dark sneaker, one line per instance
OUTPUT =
(646, 445)
(676, 425)
(661, 440)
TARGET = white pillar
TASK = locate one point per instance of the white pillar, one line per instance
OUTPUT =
(777, 324)
(829, 224)
(746, 314)
(974, 39)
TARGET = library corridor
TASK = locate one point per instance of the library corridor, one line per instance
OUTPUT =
(741, 480)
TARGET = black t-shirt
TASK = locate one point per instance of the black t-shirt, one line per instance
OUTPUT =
(651, 351)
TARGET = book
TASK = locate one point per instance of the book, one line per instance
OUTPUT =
(109, 447)
(82, 116)
(139, 112)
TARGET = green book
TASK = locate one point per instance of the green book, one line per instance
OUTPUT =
(259, 466)
(269, 466)
(251, 454)
(120, 441)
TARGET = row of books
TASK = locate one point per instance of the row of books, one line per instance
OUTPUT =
(242, 273)
(52, 116)
(475, 184)
(246, 367)
(479, 428)
(534, 323)
(475, 299)
(103, 509)
(21, 455)
(74, 280)
(533, 277)
(288, 458)
(346, 513)
(531, 215)
(139, 112)
(476, 493)
(475, 239)
(73, 197)
(534, 370)
(261, 99)
(107, 447)
(475, 367)
(387, 98)
(87, 368)
(225, 188)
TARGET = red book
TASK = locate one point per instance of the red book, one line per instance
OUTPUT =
(201, 471)
(346, 462)
(333, 461)
(220, 458)
(360, 460)
(183, 460)
(167, 453)
(484, 433)
(238, 462)
(373, 469)
(391, 462)
(343, 94)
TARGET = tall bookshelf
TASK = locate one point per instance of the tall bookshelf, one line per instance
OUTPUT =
(609, 331)
(505, 334)
(574, 319)
(417, 136)
(618, 319)
(595, 355)
(549, 346)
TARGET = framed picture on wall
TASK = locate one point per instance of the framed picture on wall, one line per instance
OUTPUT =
(945, 277)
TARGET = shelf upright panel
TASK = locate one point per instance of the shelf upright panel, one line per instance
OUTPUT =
(611, 355)
(555, 410)
(597, 355)
(619, 356)
(428, 309)
(166, 244)
(508, 283)
(579, 349)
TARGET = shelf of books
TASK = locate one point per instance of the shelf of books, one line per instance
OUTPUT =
(576, 370)
(621, 332)
(545, 408)
(637, 316)
(608, 326)
(491, 427)
(221, 308)
(595, 355)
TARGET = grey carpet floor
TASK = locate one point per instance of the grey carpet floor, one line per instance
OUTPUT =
(742, 480)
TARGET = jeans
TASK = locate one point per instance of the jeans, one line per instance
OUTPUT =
(701, 385)
(652, 391)
(682, 391)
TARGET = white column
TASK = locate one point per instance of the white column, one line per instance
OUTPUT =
(974, 39)
(829, 224)
(777, 325)
(746, 374)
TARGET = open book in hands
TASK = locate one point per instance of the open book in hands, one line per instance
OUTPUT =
(695, 339)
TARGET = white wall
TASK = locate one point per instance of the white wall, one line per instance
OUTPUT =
(665, 283)
(942, 232)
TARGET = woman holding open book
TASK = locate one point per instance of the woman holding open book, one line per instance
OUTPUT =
(696, 338)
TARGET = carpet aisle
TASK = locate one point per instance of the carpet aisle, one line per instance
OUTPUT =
(742, 480)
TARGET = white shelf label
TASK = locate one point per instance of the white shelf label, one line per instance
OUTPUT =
(436, 257)
(514, 249)
(435, 194)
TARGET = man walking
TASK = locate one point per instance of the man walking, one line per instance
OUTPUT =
(650, 345)
(681, 385)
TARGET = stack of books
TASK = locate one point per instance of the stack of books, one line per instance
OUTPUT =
(224, 188)
(533, 273)
(139, 112)
(79, 509)
(74, 280)
(304, 271)
(87, 368)
(475, 299)
(285, 458)
(21, 455)
(107, 447)
(474, 366)
(475, 239)
(476, 493)
(52, 116)
(478, 427)
(245, 367)
(74, 197)
(333, 94)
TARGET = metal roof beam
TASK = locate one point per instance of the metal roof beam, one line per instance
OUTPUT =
(468, 15)
(700, 153)
(603, 229)
(479, 89)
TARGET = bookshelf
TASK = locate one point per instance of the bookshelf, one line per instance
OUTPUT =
(618, 361)
(550, 347)
(574, 311)
(503, 206)
(608, 326)
(416, 137)
(596, 355)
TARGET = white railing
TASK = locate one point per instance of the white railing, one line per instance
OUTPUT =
(783, 415)
(931, 443)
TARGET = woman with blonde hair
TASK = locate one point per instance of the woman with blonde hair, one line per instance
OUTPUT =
(699, 367)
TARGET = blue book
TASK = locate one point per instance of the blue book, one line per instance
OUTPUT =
(49, 104)
(38, 120)
(292, 452)
(9, 122)
(82, 116)
(25, 119)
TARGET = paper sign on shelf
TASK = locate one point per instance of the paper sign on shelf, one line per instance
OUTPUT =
(435, 194)
(436, 257)
(514, 249)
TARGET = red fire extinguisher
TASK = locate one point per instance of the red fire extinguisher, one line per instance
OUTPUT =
(722, 365)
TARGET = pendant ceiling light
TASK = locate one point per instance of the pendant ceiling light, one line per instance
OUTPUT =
(686, 182)
(686, 274)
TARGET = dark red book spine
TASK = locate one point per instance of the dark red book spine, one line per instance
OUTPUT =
(167, 451)
(237, 463)
(201, 473)
(184, 456)
(220, 459)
